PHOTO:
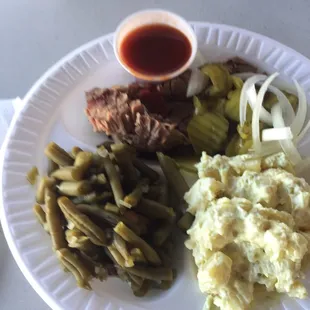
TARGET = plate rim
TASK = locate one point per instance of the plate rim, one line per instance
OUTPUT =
(44, 294)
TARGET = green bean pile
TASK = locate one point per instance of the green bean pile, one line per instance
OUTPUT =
(107, 214)
(215, 128)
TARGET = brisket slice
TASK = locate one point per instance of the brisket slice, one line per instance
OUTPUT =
(112, 111)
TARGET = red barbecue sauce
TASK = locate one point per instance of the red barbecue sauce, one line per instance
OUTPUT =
(155, 49)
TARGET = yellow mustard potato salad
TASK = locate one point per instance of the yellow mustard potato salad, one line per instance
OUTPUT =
(251, 216)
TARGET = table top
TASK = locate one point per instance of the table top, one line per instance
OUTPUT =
(35, 34)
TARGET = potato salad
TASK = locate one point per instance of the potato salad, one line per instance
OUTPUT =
(252, 220)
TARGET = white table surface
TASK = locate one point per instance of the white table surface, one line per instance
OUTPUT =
(36, 33)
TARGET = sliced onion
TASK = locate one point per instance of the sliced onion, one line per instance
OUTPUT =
(244, 75)
(284, 103)
(252, 95)
(277, 134)
(303, 133)
(197, 82)
(288, 128)
(199, 60)
(301, 114)
(287, 145)
(264, 116)
(251, 92)
(270, 147)
(244, 96)
(256, 112)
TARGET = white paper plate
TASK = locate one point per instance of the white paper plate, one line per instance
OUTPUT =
(43, 119)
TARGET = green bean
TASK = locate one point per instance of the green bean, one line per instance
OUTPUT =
(161, 234)
(45, 182)
(93, 197)
(99, 179)
(106, 144)
(186, 221)
(96, 198)
(138, 256)
(114, 162)
(163, 197)
(122, 150)
(154, 192)
(142, 290)
(75, 150)
(145, 170)
(41, 216)
(53, 219)
(32, 175)
(76, 267)
(120, 244)
(173, 175)
(187, 163)
(129, 236)
(101, 273)
(132, 199)
(74, 188)
(82, 222)
(137, 280)
(89, 264)
(69, 173)
(165, 256)
(155, 210)
(52, 166)
(108, 217)
(95, 257)
(135, 284)
(113, 176)
(83, 160)
(124, 154)
(139, 220)
(58, 155)
(110, 207)
(166, 284)
(118, 258)
(97, 164)
(151, 273)
(76, 239)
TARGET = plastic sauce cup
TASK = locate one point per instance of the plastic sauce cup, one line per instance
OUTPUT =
(150, 17)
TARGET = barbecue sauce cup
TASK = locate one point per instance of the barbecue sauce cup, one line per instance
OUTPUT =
(155, 45)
